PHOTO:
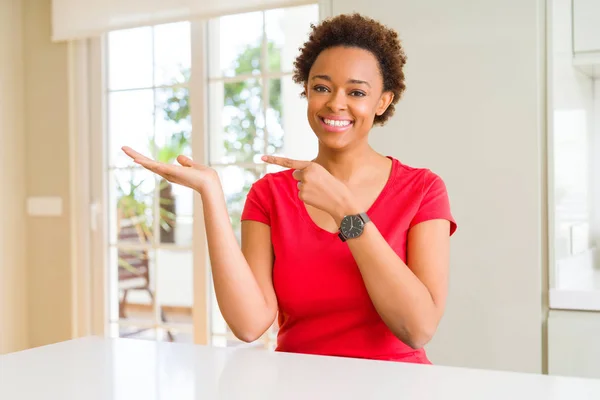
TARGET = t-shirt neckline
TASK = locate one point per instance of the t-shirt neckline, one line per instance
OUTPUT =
(386, 188)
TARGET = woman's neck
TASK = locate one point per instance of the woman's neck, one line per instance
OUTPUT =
(352, 165)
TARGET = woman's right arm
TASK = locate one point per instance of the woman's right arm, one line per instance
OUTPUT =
(242, 277)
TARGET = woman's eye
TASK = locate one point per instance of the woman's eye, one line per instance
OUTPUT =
(320, 89)
(357, 93)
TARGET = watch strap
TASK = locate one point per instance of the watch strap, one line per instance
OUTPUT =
(365, 218)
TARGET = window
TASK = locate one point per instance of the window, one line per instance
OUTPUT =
(150, 224)
(254, 108)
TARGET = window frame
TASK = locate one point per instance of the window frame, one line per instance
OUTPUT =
(88, 193)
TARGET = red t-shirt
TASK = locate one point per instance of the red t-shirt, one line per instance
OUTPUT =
(324, 307)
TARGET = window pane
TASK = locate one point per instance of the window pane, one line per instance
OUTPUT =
(130, 59)
(219, 341)
(173, 117)
(274, 117)
(222, 341)
(133, 332)
(236, 183)
(174, 286)
(218, 326)
(174, 335)
(173, 124)
(273, 331)
(130, 123)
(236, 122)
(173, 137)
(141, 333)
(134, 286)
(131, 194)
(232, 53)
(172, 53)
(287, 29)
(176, 220)
(287, 123)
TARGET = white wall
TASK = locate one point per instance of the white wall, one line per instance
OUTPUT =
(13, 284)
(473, 112)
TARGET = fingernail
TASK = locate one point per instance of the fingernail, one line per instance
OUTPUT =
(264, 158)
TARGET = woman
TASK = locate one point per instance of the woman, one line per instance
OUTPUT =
(351, 248)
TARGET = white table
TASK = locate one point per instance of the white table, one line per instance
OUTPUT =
(96, 368)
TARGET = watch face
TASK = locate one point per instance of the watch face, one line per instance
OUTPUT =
(352, 226)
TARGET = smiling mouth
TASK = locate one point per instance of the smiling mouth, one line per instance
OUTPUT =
(336, 123)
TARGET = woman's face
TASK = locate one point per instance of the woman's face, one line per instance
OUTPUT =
(344, 93)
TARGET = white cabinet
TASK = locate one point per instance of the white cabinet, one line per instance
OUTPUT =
(574, 343)
(586, 26)
(586, 36)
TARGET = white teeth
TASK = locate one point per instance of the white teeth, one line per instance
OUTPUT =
(334, 122)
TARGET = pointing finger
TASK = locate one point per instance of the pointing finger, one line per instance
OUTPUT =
(286, 162)
(297, 174)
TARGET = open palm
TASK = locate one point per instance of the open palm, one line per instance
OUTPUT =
(189, 173)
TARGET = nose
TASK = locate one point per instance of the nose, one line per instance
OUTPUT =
(337, 101)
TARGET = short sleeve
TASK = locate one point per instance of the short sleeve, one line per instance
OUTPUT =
(257, 206)
(435, 203)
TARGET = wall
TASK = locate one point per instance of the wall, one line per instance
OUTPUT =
(47, 174)
(473, 112)
(13, 268)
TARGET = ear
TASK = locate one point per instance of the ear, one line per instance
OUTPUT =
(384, 102)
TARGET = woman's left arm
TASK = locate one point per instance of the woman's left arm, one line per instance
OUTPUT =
(410, 300)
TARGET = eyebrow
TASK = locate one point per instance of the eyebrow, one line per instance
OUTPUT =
(355, 81)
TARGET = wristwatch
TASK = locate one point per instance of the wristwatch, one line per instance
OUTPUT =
(352, 226)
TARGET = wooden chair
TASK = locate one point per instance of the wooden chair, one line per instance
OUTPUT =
(134, 266)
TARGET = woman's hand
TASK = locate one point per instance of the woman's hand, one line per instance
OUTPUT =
(195, 176)
(318, 188)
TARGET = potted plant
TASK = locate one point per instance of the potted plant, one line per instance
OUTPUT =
(132, 223)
